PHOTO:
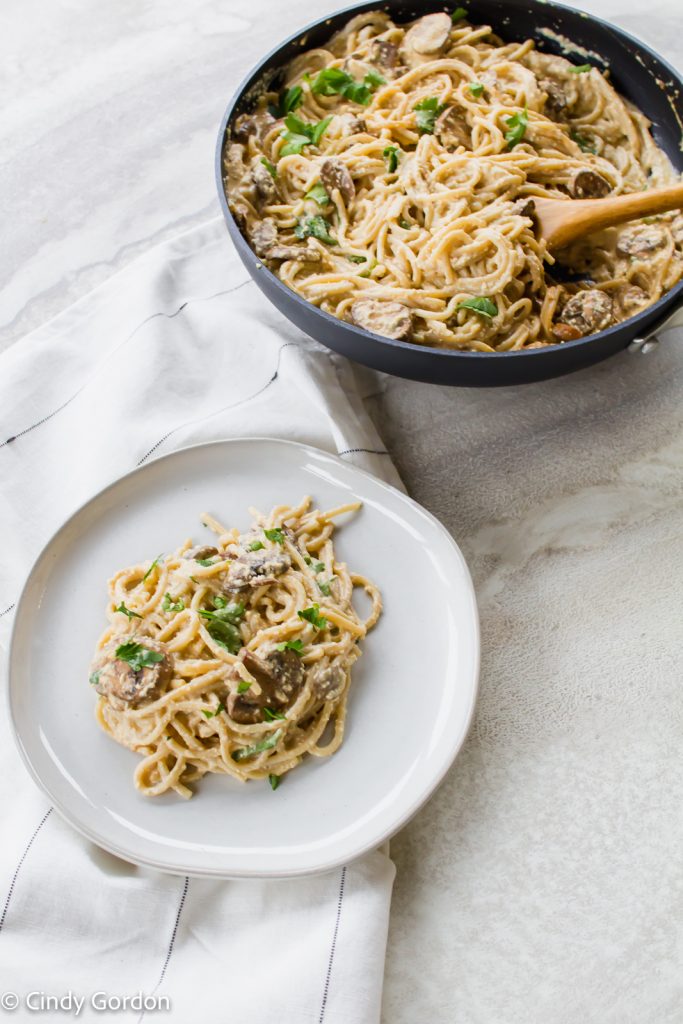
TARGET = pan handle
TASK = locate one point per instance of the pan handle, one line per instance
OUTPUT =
(647, 342)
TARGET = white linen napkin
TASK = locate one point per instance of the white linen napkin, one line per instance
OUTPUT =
(178, 348)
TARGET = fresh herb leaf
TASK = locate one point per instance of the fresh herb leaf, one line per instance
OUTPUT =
(580, 69)
(354, 259)
(243, 686)
(256, 545)
(313, 616)
(517, 125)
(390, 154)
(291, 645)
(337, 82)
(275, 535)
(137, 656)
(369, 270)
(225, 635)
(291, 99)
(222, 626)
(271, 168)
(316, 226)
(426, 113)
(298, 133)
(127, 612)
(319, 194)
(480, 304)
(169, 605)
(154, 565)
(218, 601)
(325, 589)
(94, 678)
(307, 560)
(476, 88)
(212, 714)
(373, 79)
(274, 781)
(258, 748)
(458, 14)
(583, 142)
(206, 562)
(272, 716)
(404, 224)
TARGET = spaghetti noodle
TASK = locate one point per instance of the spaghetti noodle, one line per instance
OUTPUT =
(234, 657)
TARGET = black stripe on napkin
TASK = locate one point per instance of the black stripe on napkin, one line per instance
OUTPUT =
(369, 451)
(153, 316)
(234, 405)
(326, 989)
(18, 868)
(171, 944)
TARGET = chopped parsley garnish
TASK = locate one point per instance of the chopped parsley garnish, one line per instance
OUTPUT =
(137, 656)
(366, 273)
(318, 567)
(127, 612)
(404, 224)
(481, 304)
(390, 154)
(458, 14)
(517, 125)
(337, 82)
(291, 645)
(307, 560)
(298, 133)
(258, 748)
(580, 69)
(319, 194)
(275, 535)
(272, 716)
(313, 616)
(222, 625)
(583, 142)
(153, 566)
(476, 88)
(212, 714)
(243, 686)
(206, 562)
(274, 781)
(271, 168)
(316, 226)
(289, 101)
(256, 545)
(354, 259)
(169, 605)
(325, 589)
(218, 601)
(426, 113)
(94, 678)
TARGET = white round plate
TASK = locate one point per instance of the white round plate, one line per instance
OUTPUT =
(412, 693)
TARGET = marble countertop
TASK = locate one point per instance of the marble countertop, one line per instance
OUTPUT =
(543, 882)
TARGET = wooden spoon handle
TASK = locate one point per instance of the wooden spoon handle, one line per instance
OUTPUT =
(563, 221)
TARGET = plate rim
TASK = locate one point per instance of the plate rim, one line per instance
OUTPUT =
(331, 862)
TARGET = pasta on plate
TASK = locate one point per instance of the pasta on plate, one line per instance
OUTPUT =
(391, 183)
(234, 656)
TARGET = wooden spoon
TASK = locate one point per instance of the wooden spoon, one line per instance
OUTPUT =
(562, 221)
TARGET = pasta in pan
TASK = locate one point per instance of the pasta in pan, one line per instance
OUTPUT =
(233, 657)
(391, 182)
